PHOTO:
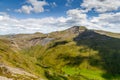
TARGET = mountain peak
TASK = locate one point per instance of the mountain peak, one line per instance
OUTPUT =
(77, 29)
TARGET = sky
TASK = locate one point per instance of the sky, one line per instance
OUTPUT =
(45, 16)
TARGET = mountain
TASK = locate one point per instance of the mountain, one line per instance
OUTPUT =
(73, 54)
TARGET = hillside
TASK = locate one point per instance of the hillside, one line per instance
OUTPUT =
(73, 54)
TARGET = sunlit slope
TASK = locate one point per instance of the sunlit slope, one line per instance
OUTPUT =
(12, 61)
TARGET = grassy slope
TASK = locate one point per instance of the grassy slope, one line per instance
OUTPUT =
(14, 58)
(94, 57)
(68, 59)
(80, 61)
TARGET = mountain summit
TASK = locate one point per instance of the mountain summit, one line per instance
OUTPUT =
(76, 29)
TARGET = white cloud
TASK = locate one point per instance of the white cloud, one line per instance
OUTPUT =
(108, 21)
(53, 4)
(101, 5)
(68, 2)
(105, 21)
(34, 6)
(77, 13)
(25, 9)
(79, 17)
(4, 13)
(10, 25)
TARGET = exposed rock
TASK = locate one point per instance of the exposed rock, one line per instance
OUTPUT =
(40, 41)
(6, 70)
(14, 44)
(76, 29)
(46, 41)
(5, 78)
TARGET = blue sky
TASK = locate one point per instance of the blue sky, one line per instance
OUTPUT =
(50, 10)
(29, 16)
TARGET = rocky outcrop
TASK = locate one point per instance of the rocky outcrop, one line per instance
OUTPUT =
(76, 29)
(13, 73)
(40, 41)
(5, 78)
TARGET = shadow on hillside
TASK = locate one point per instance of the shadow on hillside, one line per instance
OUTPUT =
(58, 43)
(71, 61)
(108, 48)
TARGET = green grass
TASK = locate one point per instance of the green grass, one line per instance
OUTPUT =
(84, 73)
(18, 59)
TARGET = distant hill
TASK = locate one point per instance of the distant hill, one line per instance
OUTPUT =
(73, 54)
